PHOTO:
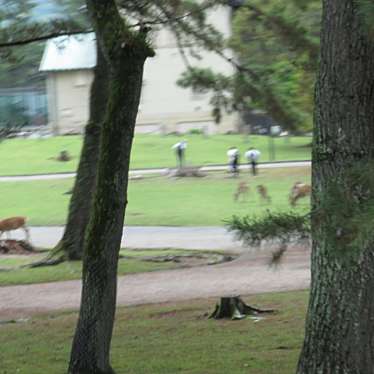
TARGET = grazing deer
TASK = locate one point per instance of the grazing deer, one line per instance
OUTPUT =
(263, 191)
(13, 223)
(298, 191)
(242, 189)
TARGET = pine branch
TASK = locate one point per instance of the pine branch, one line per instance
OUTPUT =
(41, 38)
(293, 35)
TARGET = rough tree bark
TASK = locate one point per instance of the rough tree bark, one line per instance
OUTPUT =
(125, 52)
(71, 244)
(340, 321)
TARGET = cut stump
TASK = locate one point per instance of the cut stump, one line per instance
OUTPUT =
(64, 156)
(235, 308)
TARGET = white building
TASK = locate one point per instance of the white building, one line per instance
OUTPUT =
(164, 107)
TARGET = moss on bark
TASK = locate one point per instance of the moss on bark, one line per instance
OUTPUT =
(125, 52)
(71, 244)
(340, 324)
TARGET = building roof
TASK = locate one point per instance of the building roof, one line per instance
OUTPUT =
(74, 52)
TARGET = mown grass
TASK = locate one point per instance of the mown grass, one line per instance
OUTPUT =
(160, 200)
(37, 156)
(169, 339)
(12, 272)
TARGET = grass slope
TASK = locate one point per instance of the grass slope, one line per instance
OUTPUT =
(169, 339)
(159, 200)
(36, 156)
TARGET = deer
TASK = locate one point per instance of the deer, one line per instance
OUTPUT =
(263, 191)
(242, 189)
(298, 191)
(14, 223)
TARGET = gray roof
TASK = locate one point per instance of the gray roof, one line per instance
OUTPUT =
(69, 53)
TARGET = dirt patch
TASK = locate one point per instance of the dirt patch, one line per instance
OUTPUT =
(191, 260)
(16, 247)
(248, 274)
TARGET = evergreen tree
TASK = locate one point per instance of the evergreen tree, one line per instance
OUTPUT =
(339, 328)
(276, 46)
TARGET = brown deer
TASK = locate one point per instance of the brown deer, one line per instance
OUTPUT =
(242, 190)
(14, 223)
(263, 191)
(298, 191)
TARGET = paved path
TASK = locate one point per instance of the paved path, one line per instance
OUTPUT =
(208, 238)
(249, 274)
(162, 171)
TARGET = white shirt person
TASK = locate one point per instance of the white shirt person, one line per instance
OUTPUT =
(233, 156)
(252, 156)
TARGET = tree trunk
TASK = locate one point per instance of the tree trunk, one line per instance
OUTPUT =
(125, 52)
(71, 244)
(340, 321)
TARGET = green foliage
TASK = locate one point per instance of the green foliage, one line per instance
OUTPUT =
(19, 21)
(13, 115)
(366, 9)
(278, 41)
(22, 69)
(282, 227)
(204, 80)
(346, 210)
(277, 46)
(196, 132)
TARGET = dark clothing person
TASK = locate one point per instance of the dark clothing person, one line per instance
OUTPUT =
(180, 149)
(235, 164)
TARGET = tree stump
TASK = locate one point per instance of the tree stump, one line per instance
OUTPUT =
(235, 308)
(64, 156)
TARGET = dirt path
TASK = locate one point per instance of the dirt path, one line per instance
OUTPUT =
(247, 275)
(142, 237)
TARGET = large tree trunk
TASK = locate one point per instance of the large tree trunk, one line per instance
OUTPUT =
(340, 321)
(125, 52)
(71, 244)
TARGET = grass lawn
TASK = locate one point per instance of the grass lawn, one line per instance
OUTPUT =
(160, 200)
(169, 339)
(36, 156)
(12, 274)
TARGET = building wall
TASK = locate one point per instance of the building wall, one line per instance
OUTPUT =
(164, 106)
(68, 104)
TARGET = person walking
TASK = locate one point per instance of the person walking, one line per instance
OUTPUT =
(252, 156)
(180, 149)
(233, 156)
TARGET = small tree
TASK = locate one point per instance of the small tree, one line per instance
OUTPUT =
(277, 228)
